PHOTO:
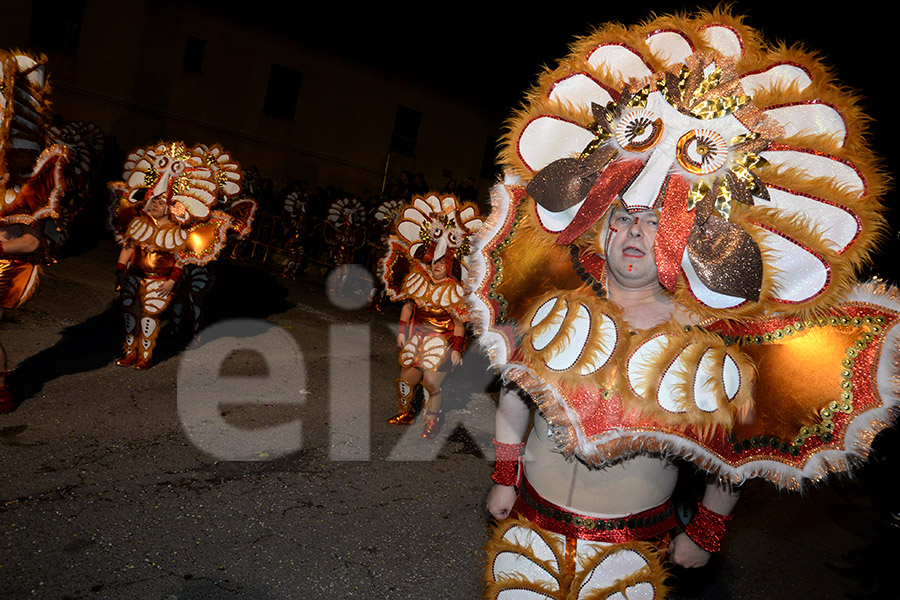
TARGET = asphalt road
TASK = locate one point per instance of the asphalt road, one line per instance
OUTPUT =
(232, 470)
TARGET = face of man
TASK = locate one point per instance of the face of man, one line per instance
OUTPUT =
(629, 249)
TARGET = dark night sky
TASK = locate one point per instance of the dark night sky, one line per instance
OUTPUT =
(491, 55)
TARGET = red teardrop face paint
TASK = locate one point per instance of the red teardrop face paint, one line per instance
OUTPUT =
(630, 266)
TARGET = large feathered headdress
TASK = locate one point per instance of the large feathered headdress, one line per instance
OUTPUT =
(754, 156)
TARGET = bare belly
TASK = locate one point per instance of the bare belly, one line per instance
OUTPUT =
(631, 486)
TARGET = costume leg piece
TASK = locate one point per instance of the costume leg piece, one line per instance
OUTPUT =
(405, 414)
(527, 562)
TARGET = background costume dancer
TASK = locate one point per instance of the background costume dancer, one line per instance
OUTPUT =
(424, 268)
(162, 218)
(32, 186)
(682, 215)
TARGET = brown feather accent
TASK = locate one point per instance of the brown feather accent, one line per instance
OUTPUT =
(566, 182)
(726, 258)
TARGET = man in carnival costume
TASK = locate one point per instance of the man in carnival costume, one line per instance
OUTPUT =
(424, 269)
(32, 186)
(668, 272)
(162, 218)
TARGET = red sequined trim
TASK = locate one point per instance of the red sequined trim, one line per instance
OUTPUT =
(707, 529)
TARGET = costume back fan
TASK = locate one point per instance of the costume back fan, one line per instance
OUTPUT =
(769, 200)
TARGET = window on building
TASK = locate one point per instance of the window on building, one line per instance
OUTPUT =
(283, 92)
(56, 25)
(406, 130)
(193, 54)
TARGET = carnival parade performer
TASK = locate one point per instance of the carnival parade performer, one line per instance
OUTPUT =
(32, 187)
(384, 220)
(424, 269)
(668, 271)
(162, 218)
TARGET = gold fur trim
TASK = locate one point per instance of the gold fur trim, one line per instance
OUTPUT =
(564, 578)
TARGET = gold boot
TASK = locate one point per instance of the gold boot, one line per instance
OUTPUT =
(405, 414)
(431, 424)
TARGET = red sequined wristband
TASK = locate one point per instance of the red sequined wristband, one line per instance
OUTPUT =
(456, 343)
(509, 460)
(403, 325)
(707, 529)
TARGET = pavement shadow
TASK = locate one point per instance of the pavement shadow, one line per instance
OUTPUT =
(240, 292)
(86, 346)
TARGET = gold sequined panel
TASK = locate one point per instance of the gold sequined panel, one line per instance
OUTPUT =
(439, 321)
(153, 261)
(799, 374)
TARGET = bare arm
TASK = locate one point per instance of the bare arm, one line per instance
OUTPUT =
(459, 330)
(24, 244)
(720, 498)
(405, 315)
(511, 423)
(126, 255)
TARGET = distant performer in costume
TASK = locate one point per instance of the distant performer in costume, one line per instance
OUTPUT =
(424, 269)
(345, 233)
(198, 279)
(162, 218)
(295, 228)
(384, 220)
(668, 272)
(32, 186)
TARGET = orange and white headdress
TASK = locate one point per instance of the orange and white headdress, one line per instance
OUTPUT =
(756, 159)
(439, 228)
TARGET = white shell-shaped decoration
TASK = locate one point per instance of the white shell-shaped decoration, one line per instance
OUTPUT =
(731, 377)
(553, 320)
(620, 61)
(569, 354)
(555, 222)
(667, 395)
(811, 119)
(839, 227)
(618, 566)
(637, 364)
(528, 538)
(546, 139)
(607, 331)
(781, 74)
(818, 165)
(704, 384)
(799, 274)
(670, 46)
(724, 39)
(580, 90)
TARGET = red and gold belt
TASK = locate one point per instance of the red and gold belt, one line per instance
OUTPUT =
(639, 526)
